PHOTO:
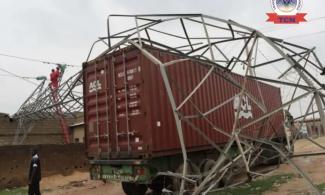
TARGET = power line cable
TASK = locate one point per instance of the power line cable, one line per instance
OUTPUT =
(20, 77)
(25, 77)
(35, 60)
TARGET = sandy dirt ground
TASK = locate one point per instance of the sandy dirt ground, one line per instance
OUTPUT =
(313, 166)
(79, 183)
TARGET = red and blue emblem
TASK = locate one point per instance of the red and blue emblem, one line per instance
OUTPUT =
(286, 12)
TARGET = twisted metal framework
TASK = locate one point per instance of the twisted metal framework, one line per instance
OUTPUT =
(227, 47)
(41, 104)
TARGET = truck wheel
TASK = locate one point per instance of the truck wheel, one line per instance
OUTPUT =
(134, 188)
(226, 180)
(192, 169)
(271, 156)
(127, 188)
(158, 184)
(206, 166)
(234, 171)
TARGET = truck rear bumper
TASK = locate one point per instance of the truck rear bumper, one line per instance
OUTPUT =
(136, 171)
(118, 162)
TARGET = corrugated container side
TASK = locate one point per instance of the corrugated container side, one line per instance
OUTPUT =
(128, 113)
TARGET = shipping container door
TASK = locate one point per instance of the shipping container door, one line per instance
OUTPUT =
(96, 108)
(129, 111)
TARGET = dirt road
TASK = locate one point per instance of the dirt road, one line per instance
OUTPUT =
(313, 166)
(79, 183)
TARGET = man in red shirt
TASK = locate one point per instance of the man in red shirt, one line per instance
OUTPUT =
(57, 71)
(54, 76)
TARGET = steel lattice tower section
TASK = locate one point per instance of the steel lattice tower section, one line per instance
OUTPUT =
(41, 105)
(227, 47)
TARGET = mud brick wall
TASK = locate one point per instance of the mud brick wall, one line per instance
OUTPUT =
(55, 159)
(45, 131)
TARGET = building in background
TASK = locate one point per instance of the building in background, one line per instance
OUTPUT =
(45, 131)
(313, 127)
(77, 132)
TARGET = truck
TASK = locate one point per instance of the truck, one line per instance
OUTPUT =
(130, 130)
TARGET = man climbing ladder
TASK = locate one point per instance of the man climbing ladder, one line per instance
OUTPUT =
(55, 78)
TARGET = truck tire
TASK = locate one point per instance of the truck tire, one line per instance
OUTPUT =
(134, 188)
(271, 155)
(205, 166)
(192, 169)
(158, 184)
(226, 180)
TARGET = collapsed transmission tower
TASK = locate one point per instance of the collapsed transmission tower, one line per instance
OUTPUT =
(47, 103)
(228, 47)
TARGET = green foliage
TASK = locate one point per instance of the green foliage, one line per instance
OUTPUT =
(14, 191)
(321, 186)
(257, 187)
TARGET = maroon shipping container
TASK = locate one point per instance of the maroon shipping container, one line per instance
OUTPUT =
(128, 114)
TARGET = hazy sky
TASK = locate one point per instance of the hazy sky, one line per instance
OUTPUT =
(63, 31)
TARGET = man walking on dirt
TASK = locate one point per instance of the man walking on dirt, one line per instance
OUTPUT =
(34, 176)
